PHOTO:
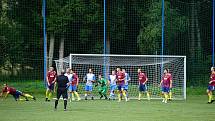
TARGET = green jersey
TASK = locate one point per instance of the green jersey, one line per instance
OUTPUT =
(102, 82)
(103, 85)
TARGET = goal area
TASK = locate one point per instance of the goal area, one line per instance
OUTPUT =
(152, 65)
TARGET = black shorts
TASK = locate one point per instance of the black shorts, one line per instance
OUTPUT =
(63, 92)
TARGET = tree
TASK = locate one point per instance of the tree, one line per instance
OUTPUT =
(149, 38)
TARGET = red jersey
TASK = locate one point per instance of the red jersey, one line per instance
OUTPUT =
(11, 90)
(51, 76)
(120, 77)
(212, 78)
(166, 80)
(142, 77)
(74, 79)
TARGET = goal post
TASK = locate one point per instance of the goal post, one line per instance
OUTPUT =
(152, 65)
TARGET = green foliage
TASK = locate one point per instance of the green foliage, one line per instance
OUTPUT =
(78, 20)
(131, 24)
(151, 24)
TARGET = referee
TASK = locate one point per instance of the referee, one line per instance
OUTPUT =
(62, 82)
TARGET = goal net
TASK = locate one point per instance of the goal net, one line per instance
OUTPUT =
(152, 65)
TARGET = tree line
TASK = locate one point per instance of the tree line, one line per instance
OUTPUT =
(76, 26)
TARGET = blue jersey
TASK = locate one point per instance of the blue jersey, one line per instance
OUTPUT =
(90, 77)
(69, 76)
(112, 79)
(127, 78)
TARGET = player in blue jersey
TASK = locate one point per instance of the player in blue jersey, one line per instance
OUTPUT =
(127, 79)
(90, 79)
(112, 82)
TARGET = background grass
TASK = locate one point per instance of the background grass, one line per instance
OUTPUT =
(193, 109)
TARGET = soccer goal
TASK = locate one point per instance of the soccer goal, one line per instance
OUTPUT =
(152, 65)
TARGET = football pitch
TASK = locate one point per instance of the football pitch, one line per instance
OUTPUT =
(193, 109)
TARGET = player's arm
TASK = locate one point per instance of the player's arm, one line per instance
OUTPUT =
(161, 83)
(94, 79)
(67, 80)
(6, 94)
(1, 94)
(145, 81)
(77, 81)
(85, 79)
(108, 82)
(54, 80)
(55, 84)
(129, 78)
(47, 80)
(211, 81)
(170, 84)
(124, 77)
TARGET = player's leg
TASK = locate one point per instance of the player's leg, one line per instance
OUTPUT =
(162, 94)
(72, 92)
(145, 89)
(166, 97)
(210, 94)
(170, 94)
(114, 91)
(77, 95)
(119, 91)
(70, 97)
(212, 99)
(90, 91)
(140, 91)
(65, 97)
(124, 93)
(74, 89)
(73, 96)
(111, 92)
(104, 92)
(51, 91)
(86, 91)
(16, 96)
(166, 93)
(28, 96)
(100, 92)
(47, 93)
(59, 92)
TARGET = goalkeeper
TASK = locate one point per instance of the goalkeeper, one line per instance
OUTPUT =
(102, 87)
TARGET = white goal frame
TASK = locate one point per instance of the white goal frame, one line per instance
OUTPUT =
(155, 56)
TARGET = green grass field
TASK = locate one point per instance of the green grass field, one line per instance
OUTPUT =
(193, 109)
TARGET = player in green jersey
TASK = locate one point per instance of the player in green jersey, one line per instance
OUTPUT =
(102, 87)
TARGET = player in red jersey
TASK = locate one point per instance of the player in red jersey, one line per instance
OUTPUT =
(74, 84)
(166, 84)
(16, 93)
(50, 78)
(120, 75)
(170, 90)
(142, 78)
(211, 86)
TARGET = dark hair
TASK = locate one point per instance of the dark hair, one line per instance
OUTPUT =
(167, 70)
(119, 68)
(90, 69)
